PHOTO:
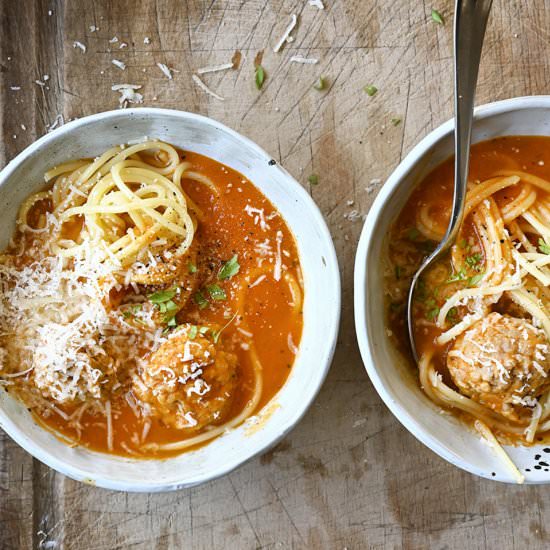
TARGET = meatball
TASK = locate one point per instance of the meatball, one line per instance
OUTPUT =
(190, 380)
(501, 362)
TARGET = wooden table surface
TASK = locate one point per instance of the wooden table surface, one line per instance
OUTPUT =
(349, 476)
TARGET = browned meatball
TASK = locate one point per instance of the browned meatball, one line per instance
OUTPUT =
(190, 380)
(501, 362)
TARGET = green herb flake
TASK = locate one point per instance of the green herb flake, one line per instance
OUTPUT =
(432, 313)
(204, 330)
(452, 313)
(171, 321)
(216, 292)
(200, 300)
(162, 296)
(413, 234)
(127, 314)
(371, 90)
(192, 268)
(192, 332)
(473, 260)
(458, 276)
(313, 179)
(321, 84)
(395, 121)
(229, 268)
(473, 281)
(259, 77)
(398, 271)
(463, 243)
(544, 247)
(421, 292)
(437, 17)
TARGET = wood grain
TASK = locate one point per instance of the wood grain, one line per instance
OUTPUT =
(349, 476)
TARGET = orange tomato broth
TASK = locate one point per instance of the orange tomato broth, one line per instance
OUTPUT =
(227, 229)
(526, 153)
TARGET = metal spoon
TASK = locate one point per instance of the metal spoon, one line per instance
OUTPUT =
(469, 29)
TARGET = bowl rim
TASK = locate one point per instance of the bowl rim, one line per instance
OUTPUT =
(361, 275)
(329, 339)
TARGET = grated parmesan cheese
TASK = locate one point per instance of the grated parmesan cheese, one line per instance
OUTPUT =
(128, 94)
(317, 4)
(120, 64)
(215, 68)
(205, 88)
(165, 70)
(304, 60)
(77, 44)
(286, 35)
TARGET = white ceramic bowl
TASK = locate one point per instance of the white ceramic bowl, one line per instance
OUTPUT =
(87, 137)
(392, 376)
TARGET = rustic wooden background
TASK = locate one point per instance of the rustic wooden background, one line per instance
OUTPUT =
(349, 476)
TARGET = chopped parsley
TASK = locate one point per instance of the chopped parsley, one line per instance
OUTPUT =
(229, 268)
(413, 234)
(163, 301)
(437, 17)
(398, 271)
(544, 247)
(200, 300)
(192, 268)
(259, 77)
(432, 313)
(472, 281)
(371, 90)
(458, 276)
(171, 321)
(313, 179)
(451, 315)
(131, 311)
(162, 296)
(216, 292)
(395, 121)
(321, 84)
(192, 332)
(421, 293)
(473, 260)
(166, 307)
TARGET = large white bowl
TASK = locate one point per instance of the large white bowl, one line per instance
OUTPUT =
(87, 137)
(389, 371)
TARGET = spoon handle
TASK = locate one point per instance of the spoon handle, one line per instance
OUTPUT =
(470, 23)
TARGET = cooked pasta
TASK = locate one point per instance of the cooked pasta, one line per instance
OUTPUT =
(482, 315)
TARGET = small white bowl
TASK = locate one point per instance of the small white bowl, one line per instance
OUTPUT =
(90, 136)
(390, 372)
